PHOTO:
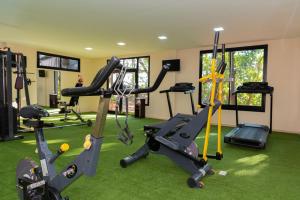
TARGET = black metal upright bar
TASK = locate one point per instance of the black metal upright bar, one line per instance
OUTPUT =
(2, 79)
(24, 67)
(2, 95)
(10, 109)
(271, 112)
(8, 119)
(169, 105)
(236, 109)
(192, 103)
(216, 42)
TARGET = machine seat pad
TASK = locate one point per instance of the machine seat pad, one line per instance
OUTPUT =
(33, 112)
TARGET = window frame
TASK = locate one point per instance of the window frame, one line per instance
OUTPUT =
(136, 71)
(261, 108)
(60, 64)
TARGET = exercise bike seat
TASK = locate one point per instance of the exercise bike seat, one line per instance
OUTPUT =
(33, 112)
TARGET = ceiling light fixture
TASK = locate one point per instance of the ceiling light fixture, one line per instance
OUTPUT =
(88, 48)
(162, 37)
(218, 29)
(121, 43)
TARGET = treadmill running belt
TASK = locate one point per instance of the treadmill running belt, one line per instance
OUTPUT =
(248, 135)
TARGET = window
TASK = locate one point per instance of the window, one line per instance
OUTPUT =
(57, 62)
(244, 64)
(137, 75)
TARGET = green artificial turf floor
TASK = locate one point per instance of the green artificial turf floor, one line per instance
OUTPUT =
(273, 173)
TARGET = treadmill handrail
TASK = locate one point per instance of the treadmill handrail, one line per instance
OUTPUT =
(264, 93)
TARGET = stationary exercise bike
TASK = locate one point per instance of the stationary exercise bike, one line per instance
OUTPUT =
(42, 182)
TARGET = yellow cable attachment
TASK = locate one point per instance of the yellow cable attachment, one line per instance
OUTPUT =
(87, 143)
(64, 147)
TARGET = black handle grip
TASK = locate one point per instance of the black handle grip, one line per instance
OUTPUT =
(223, 52)
(216, 42)
(222, 66)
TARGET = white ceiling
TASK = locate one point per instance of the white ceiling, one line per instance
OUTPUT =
(69, 26)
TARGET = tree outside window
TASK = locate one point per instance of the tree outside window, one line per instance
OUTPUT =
(244, 64)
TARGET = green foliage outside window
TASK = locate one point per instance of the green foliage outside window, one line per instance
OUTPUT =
(242, 66)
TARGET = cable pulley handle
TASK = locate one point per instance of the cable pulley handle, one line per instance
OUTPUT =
(119, 80)
(125, 136)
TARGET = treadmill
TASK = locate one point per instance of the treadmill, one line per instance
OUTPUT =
(186, 88)
(246, 134)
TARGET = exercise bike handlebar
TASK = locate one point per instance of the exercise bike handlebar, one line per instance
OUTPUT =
(102, 76)
(99, 80)
(156, 84)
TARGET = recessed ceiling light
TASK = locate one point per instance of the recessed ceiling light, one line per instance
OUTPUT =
(88, 48)
(218, 29)
(162, 37)
(121, 43)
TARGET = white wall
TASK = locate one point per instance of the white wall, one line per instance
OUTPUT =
(45, 86)
(158, 107)
(89, 68)
(40, 89)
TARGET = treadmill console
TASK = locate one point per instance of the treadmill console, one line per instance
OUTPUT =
(182, 87)
(255, 87)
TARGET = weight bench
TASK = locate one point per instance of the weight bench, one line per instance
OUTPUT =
(71, 107)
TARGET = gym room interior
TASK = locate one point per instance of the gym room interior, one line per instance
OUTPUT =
(147, 100)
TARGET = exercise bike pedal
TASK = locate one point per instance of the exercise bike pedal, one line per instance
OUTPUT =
(211, 172)
(201, 184)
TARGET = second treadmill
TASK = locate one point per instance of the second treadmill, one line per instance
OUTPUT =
(251, 135)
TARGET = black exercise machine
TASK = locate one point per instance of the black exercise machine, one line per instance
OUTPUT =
(9, 115)
(251, 135)
(176, 137)
(22, 83)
